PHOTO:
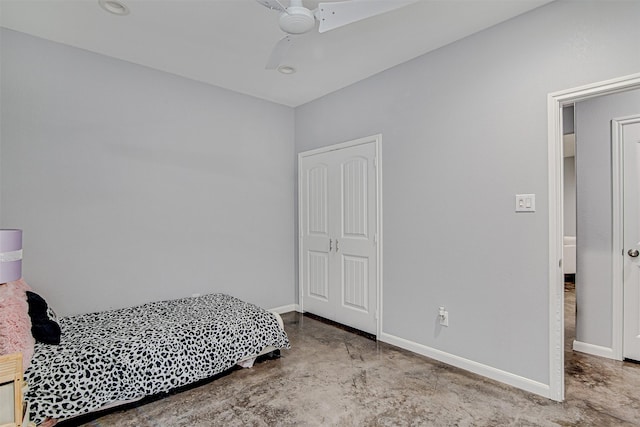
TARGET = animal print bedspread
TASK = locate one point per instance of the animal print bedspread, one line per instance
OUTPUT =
(133, 352)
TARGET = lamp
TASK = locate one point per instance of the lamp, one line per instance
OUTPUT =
(10, 255)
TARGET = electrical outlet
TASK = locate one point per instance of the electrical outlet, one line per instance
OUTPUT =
(444, 319)
(443, 316)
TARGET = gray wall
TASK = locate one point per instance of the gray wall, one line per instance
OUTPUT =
(134, 185)
(569, 178)
(594, 244)
(570, 196)
(568, 120)
(452, 166)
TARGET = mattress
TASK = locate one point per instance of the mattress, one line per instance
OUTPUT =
(130, 353)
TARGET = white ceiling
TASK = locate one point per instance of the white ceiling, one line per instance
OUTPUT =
(227, 42)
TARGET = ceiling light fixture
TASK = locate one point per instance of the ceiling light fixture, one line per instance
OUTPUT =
(114, 6)
(286, 69)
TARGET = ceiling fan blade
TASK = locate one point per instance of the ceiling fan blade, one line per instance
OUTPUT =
(273, 4)
(279, 52)
(337, 14)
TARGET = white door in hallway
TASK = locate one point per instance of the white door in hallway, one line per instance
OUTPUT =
(338, 203)
(631, 183)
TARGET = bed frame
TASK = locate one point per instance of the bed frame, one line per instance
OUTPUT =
(11, 390)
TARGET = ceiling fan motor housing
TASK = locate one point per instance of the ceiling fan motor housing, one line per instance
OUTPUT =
(297, 20)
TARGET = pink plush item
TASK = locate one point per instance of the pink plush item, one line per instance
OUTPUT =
(15, 323)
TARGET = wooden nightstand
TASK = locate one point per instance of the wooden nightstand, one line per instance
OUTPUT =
(12, 384)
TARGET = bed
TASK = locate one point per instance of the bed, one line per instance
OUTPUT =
(123, 355)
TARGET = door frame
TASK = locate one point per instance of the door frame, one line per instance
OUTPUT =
(377, 141)
(617, 159)
(555, 102)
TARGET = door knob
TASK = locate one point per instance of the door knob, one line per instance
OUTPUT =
(633, 253)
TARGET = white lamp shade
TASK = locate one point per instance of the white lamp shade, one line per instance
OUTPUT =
(10, 255)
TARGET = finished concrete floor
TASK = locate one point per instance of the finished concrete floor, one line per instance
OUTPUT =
(334, 377)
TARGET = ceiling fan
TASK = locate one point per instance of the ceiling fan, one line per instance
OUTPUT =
(297, 19)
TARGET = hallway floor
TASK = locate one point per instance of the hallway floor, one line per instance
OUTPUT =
(608, 387)
(334, 377)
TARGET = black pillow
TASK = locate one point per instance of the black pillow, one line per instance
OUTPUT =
(44, 324)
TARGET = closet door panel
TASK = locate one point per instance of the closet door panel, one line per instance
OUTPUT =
(316, 252)
(356, 248)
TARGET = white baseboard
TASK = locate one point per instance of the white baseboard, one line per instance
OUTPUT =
(469, 365)
(286, 308)
(594, 350)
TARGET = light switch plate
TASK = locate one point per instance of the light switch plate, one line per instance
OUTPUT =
(525, 202)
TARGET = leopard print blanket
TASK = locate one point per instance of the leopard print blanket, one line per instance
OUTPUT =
(140, 351)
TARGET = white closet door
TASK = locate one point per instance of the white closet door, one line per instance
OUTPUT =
(631, 147)
(316, 253)
(339, 225)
